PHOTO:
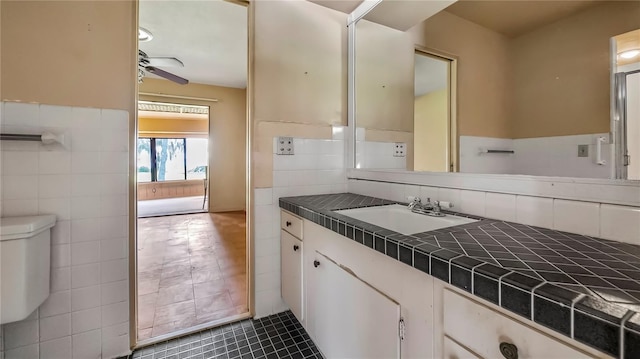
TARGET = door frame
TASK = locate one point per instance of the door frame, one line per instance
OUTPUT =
(133, 198)
(453, 142)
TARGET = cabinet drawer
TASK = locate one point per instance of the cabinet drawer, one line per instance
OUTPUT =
(482, 330)
(291, 224)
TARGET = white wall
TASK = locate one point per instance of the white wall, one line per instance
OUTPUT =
(86, 186)
(317, 167)
(541, 156)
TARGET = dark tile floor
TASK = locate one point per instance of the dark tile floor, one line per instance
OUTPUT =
(276, 336)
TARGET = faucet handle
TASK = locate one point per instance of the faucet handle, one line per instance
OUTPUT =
(414, 199)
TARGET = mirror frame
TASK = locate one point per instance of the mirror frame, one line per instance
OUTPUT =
(614, 191)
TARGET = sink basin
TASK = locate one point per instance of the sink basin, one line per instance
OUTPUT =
(398, 218)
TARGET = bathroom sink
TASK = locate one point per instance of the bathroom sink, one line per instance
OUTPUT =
(400, 219)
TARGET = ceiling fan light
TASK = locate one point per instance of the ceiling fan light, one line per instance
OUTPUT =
(630, 54)
(144, 35)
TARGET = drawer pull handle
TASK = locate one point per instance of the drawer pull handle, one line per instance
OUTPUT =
(295, 247)
(288, 224)
(316, 264)
(508, 350)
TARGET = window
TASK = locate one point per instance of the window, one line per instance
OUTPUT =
(171, 159)
(197, 156)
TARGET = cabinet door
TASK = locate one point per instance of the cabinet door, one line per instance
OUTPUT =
(348, 317)
(291, 272)
(453, 350)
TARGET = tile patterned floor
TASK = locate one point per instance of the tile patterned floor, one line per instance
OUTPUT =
(273, 337)
(191, 270)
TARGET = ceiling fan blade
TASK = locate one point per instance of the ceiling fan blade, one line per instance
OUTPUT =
(167, 75)
(164, 62)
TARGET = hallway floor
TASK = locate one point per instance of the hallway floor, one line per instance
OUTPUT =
(191, 270)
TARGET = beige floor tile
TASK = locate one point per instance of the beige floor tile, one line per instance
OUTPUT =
(214, 303)
(207, 289)
(174, 312)
(175, 294)
(148, 286)
(191, 271)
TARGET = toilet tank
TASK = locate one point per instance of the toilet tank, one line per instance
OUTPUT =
(25, 247)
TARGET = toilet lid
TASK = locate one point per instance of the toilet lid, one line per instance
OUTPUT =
(24, 226)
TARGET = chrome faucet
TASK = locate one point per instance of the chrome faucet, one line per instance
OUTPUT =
(415, 202)
(429, 208)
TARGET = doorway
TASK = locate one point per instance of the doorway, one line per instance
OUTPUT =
(626, 104)
(434, 128)
(172, 157)
(191, 242)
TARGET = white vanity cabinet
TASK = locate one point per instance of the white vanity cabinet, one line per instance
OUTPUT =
(356, 297)
(353, 300)
(454, 350)
(291, 249)
(348, 317)
(483, 331)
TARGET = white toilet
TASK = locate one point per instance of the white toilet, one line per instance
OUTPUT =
(25, 247)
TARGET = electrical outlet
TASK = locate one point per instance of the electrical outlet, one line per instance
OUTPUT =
(400, 149)
(583, 150)
(285, 146)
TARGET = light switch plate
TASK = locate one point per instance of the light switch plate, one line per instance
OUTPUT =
(400, 149)
(583, 150)
(285, 146)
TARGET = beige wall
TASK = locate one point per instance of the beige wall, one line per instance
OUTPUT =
(172, 127)
(82, 53)
(384, 78)
(561, 72)
(227, 130)
(484, 93)
(431, 130)
(299, 68)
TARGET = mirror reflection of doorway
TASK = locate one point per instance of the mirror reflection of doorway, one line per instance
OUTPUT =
(626, 88)
(172, 153)
(433, 147)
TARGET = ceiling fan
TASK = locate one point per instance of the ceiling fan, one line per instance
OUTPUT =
(151, 64)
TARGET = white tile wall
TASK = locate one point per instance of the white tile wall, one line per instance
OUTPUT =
(576, 217)
(378, 155)
(317, 167)
(500, 206)
(85, 184)
(472, 160)
(558, 156)
(615, 222)
(621, 223)
(540, 156)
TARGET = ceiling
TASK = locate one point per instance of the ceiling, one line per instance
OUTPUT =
(345, 6)
(513, 18)
(209, 37)
(430, 74)
(625, 42)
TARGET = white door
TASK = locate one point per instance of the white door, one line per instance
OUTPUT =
(349, 318)
(291, 272)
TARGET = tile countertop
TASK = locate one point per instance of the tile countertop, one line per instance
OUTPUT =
(583, 287)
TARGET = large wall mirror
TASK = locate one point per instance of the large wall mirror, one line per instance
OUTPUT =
(548, 88)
